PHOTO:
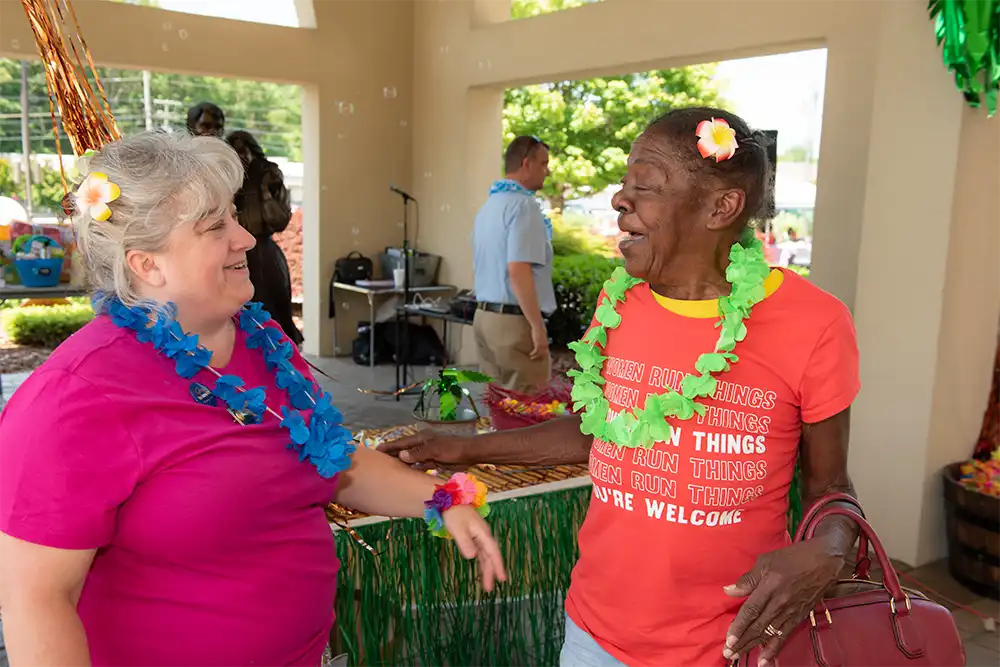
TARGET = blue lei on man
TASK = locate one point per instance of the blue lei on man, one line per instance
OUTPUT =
(507, 185)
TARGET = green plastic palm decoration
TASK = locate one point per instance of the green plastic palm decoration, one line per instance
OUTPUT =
(795, 500)
(447, 386)
(968, 32)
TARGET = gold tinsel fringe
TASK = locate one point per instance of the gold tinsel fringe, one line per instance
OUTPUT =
(86, 115)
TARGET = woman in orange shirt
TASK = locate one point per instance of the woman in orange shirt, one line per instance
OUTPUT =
(693, 415)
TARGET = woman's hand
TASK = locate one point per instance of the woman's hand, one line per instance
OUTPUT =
(428, 446)
(474, 540)
(781, 590)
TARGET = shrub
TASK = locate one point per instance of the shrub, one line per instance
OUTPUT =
(569, 240)
(578, 280)
(45, 326)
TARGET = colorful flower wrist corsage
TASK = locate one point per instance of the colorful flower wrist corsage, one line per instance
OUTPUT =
(461, 489)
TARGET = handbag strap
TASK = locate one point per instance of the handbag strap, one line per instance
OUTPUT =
(823, 502)
(862, 566)
(889, 578)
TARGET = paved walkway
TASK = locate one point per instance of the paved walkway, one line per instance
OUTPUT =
(365, 410)
(982, 646)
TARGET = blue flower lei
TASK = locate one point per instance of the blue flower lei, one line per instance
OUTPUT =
(508, 185)
(322, 438)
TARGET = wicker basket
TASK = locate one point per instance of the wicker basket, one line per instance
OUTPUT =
(973, 525)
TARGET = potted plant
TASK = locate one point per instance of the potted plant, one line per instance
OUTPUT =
(440, 405)
(972, 505)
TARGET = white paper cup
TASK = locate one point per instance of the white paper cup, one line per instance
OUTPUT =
(399, 277)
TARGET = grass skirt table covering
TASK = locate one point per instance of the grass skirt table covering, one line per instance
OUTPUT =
(417, 602)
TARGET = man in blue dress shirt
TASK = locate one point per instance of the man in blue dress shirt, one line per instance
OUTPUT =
(512, 260)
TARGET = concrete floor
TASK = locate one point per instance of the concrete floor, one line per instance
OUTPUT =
(982, 646)
(365, 410)
(368, 411)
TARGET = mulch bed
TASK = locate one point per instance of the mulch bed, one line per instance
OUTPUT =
(19, 359)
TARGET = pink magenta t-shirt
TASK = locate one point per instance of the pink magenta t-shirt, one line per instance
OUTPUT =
(212, 543)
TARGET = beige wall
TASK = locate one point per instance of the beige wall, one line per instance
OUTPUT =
(906, 217)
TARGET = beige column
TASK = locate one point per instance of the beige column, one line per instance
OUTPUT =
(926, 315)
(356, 141)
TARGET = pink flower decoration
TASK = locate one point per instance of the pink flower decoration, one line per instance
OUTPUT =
(466, 485)
(716, 139)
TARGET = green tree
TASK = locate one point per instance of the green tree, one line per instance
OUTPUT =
(7, 185)
(796, 154)
(47, 193)
(590, 125)
(523, 9)
(271, 111)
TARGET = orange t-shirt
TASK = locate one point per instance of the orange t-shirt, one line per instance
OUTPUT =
(669, 527)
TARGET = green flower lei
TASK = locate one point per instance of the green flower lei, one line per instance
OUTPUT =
(642, 427)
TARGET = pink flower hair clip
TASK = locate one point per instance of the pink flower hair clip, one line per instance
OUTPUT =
(716, 139)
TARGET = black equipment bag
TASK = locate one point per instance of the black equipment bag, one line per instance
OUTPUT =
(352, 268)
(425, 347)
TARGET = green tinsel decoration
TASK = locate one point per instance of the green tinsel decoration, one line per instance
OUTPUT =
(968, 32)
(419, 602)
(795, 500)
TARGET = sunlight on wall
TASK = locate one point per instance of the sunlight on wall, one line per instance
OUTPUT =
(522, 9)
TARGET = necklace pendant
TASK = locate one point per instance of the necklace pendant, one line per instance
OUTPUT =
(201, 394)
(243, 416)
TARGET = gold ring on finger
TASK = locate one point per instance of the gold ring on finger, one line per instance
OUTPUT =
(771, 631)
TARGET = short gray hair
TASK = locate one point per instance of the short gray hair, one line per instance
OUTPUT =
(165, 180)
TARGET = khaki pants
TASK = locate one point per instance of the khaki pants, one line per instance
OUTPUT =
(504, 343)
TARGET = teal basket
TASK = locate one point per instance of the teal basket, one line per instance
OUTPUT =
(40, 272)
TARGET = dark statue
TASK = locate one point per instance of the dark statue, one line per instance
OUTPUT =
(263, 207)
(206, 120)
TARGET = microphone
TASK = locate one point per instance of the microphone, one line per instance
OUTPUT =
(404, 195)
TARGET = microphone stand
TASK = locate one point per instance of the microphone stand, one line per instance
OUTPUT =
(404, 349)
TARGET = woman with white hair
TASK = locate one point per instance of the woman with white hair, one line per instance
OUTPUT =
(163, 476)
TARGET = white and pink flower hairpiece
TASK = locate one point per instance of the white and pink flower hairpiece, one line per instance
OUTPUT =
(716, 139)
(94, 195)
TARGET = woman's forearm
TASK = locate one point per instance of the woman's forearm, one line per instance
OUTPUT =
(379, 484)
(41, 633)
(839, 532)
(555, 442)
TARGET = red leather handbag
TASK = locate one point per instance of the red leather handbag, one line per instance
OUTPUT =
(863, 623)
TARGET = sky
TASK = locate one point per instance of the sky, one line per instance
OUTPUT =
(782, 92)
